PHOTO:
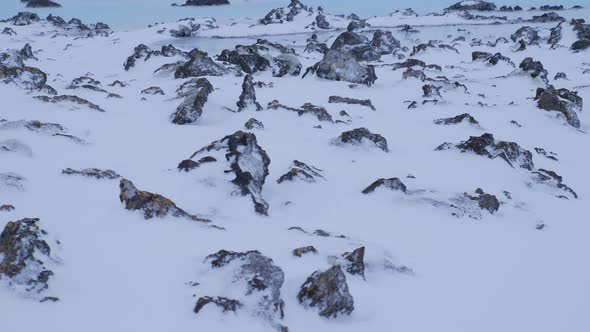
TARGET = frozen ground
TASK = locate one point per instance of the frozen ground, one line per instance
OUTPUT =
(116, 271)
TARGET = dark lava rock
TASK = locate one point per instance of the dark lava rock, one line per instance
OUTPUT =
(93, 173)
(357, 136)
(248, 96)
(457, 119)
(472, 5)
(23, 254)
(485, 145)
(304, 250)
(485, 201)
(355, 262)
(14, 71)
(260, 278)
(253, 124)
(328, 292)
(552, 179)
(535, 69)
(200, 64)
(394, 184)
(351, 101)
(42, 4)
(223, 303)
(303, 172)
(152, 205)
(342, 66)
(72, 99)
(319, 112)
(196, 96)
(248, 161)
(561, 100)
(154, 90)
(206, 2)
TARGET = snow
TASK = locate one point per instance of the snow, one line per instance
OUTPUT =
(119, 272)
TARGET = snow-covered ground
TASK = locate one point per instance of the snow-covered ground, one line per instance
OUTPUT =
(429, 265)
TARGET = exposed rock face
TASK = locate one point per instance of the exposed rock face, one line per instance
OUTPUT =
(328, 292)
(319, 112)
(342, 66)
(384, 42)
(547, 17)
(196, 96)
(259, 57)
(561, 100)
(154, 90)
(93, 173)
(223, 303)
(14, 71)
(552, 179)
(351, 101)
(485, 145)
(356, 45)
(473, 5)
(492, 59)
(299, 252)
(248, 96)
(583, 33)
(485, 201)
(42, 4)
(24, 253)
(206, 2)
(70, 99)
(247, 160)
(355, 262)
(152, 205)
(279, 15)
(457, 119)
(253, 124)
(394, 184)
(303, 172)
(260, 278)
(526, 34)
(23, 18)
(141, 51)
(199, 65)
(535, 69)
(359, 135)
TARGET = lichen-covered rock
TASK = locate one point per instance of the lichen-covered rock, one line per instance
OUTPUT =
(351, 101)
(93, 173)
(248, 96)
(299, 252)
(342, 66)
(14, 71)
(196, 94)
(394, 184)
(355, 262)
(535, 69)
(152, 205)
(485, 145)
(24, 253)
(476, 5)
(247, 160)
(319, 112)
(260, 279)
(360, 135)
(465, 117)
(356, 45)
(70, 99)
(303, 172)
(564, 101)
(328, 292)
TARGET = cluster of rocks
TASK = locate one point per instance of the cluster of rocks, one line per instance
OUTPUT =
(13, 70)
(582, 30)
(263, 56)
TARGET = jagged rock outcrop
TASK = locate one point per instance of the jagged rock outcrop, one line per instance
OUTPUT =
(328, 292)
(247, 160)
(280, 15)
(262, 56)
(476, 5)
(13, 70)
(299, 252)
(351, 101)
(200, 64)
(152, 205)
(354, 262)
(253, 124)
(492, 59)
(259, 278)
(248, 96)
(564, 101)
(535, 69)
(23, 19)
(301, 171)
(486, 146)
(319, 112)
(394, 184)
(546, 18)
(42, 4)
(582, 30)
(356, 45)
(223, 303)
(360, 135)
(485, 201)
(342, 66)
(93, 173)
(552, 179)
(384, 42)
(196, 94)
(141, 51)
(465, 117)
(24, 254)
(70, 99)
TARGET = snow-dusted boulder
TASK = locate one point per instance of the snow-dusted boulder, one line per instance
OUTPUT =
(301, 171)
(342, 66)
(360, 135)
(42, 4)
(328, 292)
(564, 101)
(394, 184)
(196, 96)
(476, 5)
(248, 96)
